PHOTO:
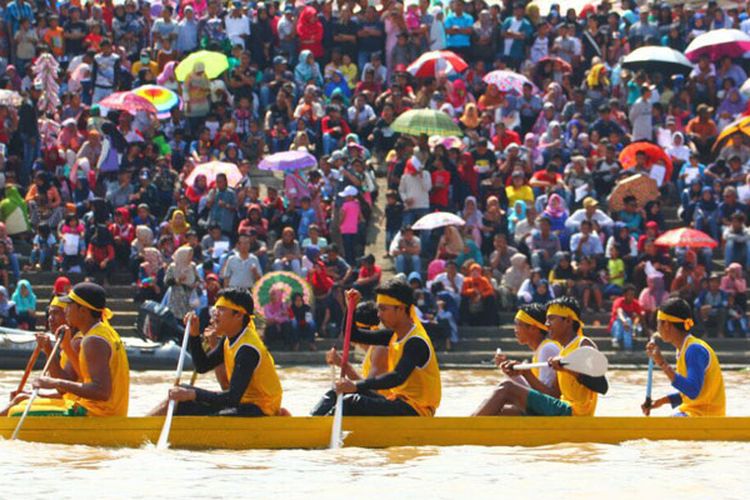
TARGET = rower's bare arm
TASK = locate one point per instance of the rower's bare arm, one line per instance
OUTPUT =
(97, 353)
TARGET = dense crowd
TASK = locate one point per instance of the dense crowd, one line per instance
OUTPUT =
(100, 191)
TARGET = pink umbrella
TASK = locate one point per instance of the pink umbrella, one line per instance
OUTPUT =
(127, 101)
(288, 160)
(508, 81)
(719, 43)
(435, 63)
(214, 168)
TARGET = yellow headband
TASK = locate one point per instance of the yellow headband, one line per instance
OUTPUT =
(524, 317)
(106, 312)
(228, 304)
(365, 326)
(56, 302)
(387, 300)
(687, 322)
(565, 312)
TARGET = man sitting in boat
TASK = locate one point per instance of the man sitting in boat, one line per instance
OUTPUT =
(254, 389)
(697, 377)
(66, 366)
(531, 331)
(104, 386)
(578, 392)
(374, 363)
(412, 383)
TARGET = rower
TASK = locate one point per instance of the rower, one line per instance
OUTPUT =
(67, 366)
(104, 387)
(697, 376)
(578, 392)
(531, 331)
(412, 383)
(254, 389)
(374, 363)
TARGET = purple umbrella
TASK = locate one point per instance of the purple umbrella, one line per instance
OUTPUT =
(288, 160)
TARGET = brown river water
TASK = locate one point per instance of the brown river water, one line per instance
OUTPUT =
(644, 468)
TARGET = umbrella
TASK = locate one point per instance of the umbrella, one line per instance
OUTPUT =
(657, 59)
(686, 237)
(162, 98)
(436, 63)
(436, 220)
(719, 43)
(10, 98)
(641, 186)
(447, 142)
(215, 62)
(508, 81)
(288, 283)
(127, 101)
(653, 152)
(566, 67)
(745, 89)
(739, 126)
(214, 168)
(425, 121)
(288, 160)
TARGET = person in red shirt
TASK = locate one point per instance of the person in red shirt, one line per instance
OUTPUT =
(627, 315)
(368, 277)
(441, 182)
(334, 129)
(123, 233)
(547, 178)
(503, 137)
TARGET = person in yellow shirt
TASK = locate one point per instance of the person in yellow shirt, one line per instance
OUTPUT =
(697, 376)
(578, 392)
(144, 62)
(254, 388)
(104, 386)
(519, 190)
(411, 386)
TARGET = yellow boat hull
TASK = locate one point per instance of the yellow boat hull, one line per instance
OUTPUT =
(373, 432)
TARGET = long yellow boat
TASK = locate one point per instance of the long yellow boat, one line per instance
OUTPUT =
(373, 432)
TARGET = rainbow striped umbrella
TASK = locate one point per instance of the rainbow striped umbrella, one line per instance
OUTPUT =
(162, 98)
(288, 283)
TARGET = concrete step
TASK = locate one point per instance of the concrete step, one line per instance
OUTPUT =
(49, 277)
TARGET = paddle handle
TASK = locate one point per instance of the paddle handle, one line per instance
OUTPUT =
(530, 366)
(350, 305)
(35, 392)
(338, 415)
(29, 367)
(163, 442)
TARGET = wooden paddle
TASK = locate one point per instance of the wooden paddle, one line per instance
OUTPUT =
(163, 442)
(584, 360)
(27, 372)
(336, 438)
(650, 380)
(35, 392)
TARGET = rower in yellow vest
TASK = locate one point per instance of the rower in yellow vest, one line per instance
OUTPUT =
(577, 392)
(697, 376)
(104, 386)
(254, 388)
(374, 363)
(531, 331)
(67, 365)
(412, 383)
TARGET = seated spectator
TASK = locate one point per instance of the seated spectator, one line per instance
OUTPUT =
(587, 284)
(278, 322)
(626, 319)
(711, 308)
(368, 277)
(544, 245)
(100, 255)
(586, 243)
(736, 240)
(512, 279)
(562, 276)
(651, 299)
(25, 302)
(478, 302)
(8, 317)
(406, 248)
(733, 283)
(287, 253)
(302, 327)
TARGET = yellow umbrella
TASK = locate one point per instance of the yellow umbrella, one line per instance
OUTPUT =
(739, 126)
(215, 63)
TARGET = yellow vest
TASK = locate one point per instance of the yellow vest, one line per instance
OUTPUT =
(535, 359)
(711, 402)
(63, 356)
(264, 389)
(119, 373)
(581, 399)
(422, 390)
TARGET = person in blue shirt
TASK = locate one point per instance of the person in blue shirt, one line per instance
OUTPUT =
(14, 13)
(711, 308)
(459, 27)
(517, 32)
(307, 217)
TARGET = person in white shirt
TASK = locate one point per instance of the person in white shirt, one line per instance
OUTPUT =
(237, 25)
(361, 116)
(589, 212)
(414, 188)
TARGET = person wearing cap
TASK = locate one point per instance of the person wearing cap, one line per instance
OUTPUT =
(641, 116)
(104, 386)
(254, 389)
(590, 212)
(414, 189)
(412, 385)
(351, 216)
(187, 32)
(530, 330)
(697, 376)
(578, 394)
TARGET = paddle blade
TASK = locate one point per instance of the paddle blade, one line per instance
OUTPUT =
(163, 442)
(588, 361)
(336, 437)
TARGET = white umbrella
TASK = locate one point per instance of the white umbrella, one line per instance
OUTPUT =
(745, 89)
(436, 220)
(10, 98)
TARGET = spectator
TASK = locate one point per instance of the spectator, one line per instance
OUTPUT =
(287, 252)
(25, 302)
(626, 319)
(478, 302)
(182, 281)
(278, 322)
(242, 269)
(711, 306)
(302, 326)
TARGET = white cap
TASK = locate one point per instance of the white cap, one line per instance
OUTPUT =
(349, 191)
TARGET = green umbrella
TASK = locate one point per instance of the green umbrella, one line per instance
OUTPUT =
(287, 283)
(425, 121)
(214, 63)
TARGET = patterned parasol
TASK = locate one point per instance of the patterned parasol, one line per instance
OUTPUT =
(641, 186)
(508, 81)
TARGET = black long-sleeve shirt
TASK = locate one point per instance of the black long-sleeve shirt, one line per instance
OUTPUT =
(245, 363)
(416, 354)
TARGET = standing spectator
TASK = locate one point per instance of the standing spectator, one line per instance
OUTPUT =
(544, 245)
(370, 37)
(414, 189)
(222, 204)
(242, 269)
(183, 280)
(641, 116)
(459, 26)
(303, 323)
(517, 32)
(351, 216)
(100, 255)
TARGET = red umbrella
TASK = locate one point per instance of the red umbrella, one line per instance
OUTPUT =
(566, 67)
(653, 154)
(437, 62)
(686, 237)
(127, 101)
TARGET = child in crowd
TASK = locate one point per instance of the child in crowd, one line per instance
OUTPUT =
(43, 248)
(303, 323)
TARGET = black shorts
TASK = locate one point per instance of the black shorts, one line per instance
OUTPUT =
(197, 409)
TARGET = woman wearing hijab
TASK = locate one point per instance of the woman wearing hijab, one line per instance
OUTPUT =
(485, 35)
(182, 279)
(473, 218)
(178, 226)
(678, 151)
(493, 223)
(7, 310)
(557, 213)
(307, 70)
(732, 106)
(491, 99)
(597, 85)
(195, 94)
(167, 78)
(552, 142)
(478, 302)
(14, 212)
(25, 302)
(516, 215)
(198, 189)
(469, 121)
(451, 244)
(100, 254)
(457, 95)
(652, 297)
(338, 86)
(310, 32)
